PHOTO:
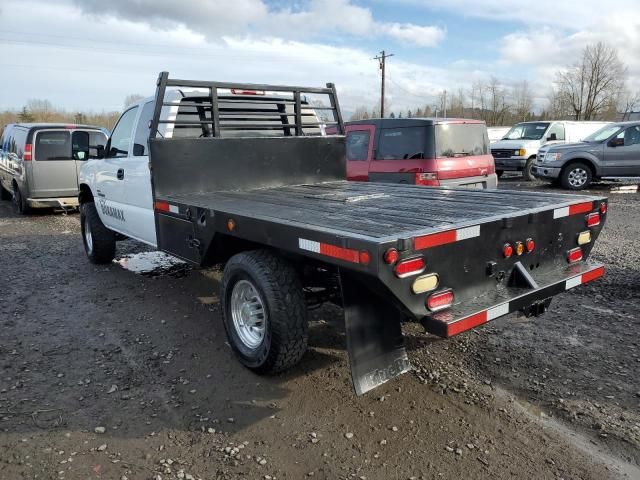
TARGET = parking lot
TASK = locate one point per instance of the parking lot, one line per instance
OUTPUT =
(108, 373)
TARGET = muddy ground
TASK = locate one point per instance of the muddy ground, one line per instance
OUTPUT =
(110, 374)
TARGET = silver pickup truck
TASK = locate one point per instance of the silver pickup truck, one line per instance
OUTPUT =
(39, 162)
(612, 151)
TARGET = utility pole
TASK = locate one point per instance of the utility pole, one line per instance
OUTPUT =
(381, 60)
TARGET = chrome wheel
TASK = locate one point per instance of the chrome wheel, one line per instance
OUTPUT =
(248, 313)
(577, 177)
(88, 238)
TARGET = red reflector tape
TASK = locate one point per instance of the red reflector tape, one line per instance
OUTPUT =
(442, 238)
(466, 323)
(584, 278)
(573, 210)
(333, 251)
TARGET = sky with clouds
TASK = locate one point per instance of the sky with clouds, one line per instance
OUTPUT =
(90, 54)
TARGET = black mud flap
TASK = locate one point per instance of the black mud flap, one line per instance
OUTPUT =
(374, 335)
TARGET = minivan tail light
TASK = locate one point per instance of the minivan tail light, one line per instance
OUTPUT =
(429, 179)
(440, 300)
(28, 153)
(410, 266)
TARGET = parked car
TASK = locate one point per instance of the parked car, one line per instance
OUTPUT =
(39, 162)
(292, 233)
(518, 149)
(612, 151)
(497, 133)
(420, 151)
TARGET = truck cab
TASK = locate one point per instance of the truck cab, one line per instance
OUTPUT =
(519, 147)
(420, 151)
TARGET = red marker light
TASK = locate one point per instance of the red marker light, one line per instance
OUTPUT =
(531, 245)
(440, 300)
(364, 257)
(593, 219)
(604, 208)
(507, 250)
(574, 255)
(391, 256)
(411, 266)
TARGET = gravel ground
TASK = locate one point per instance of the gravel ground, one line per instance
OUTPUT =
(106, 373)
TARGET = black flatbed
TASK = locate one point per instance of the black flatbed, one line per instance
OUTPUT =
(373, 211)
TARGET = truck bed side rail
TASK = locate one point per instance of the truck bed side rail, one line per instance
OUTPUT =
(222, 109)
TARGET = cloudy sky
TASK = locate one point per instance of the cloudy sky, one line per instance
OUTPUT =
(90, 54)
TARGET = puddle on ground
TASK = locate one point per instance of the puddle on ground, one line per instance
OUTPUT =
(154, 264)
(598, 452)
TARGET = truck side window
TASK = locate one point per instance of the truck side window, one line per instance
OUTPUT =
(358, 145)
(632, 136)
(558, 129)
(121, 136)
(141, 138)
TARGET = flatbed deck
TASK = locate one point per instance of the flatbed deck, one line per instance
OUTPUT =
(373, 211)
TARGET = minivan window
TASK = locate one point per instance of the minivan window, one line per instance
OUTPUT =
(121, 136)
(461, 140)
(358, 145)
(17, 141)
(527, 131)
(402, 143)
(53, 145)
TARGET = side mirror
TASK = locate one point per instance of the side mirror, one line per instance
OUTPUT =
(617, 142)
(552, 138)
(99, 152)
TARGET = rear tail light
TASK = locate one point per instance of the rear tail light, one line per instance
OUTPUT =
(391, 256)
(519, 248)
(531, 245)
(574, 255)
(593, 219)
(28, 153)
(425, 283)
(584, 238)
(440, 300)
(507, 250)
(604, 208)
(411, 266)
(429, 179)
(364, 257)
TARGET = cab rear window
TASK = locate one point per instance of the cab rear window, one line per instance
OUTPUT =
(461, 140)
(53, 146)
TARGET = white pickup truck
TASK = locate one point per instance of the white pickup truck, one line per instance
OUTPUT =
(235, 174)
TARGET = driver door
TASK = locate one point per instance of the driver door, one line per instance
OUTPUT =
(622, 153)
(110, 190)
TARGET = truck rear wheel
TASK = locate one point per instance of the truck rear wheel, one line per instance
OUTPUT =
(20, 201)
(264, 311)
(99, 241)
(576, 176)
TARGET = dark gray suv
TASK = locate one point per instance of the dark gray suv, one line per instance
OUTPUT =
(612, 151)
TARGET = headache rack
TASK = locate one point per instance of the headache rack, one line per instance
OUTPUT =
(220, 109)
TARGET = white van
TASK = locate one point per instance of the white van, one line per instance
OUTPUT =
(518, 148)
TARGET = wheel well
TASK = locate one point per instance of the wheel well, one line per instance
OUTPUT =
(14, 184)
(85, 195)
(585, 162)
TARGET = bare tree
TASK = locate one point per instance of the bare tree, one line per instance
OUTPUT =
(131, 99)
(629, 102)
(41, 110)
(360, 113)
(591, 84)
(497, 102)
(522, 101)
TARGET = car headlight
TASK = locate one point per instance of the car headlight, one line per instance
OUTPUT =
(552, 157)
(520, 152)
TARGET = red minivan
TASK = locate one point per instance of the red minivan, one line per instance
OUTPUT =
(422, 151)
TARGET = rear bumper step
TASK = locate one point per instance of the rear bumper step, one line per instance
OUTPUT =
(531, 302)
